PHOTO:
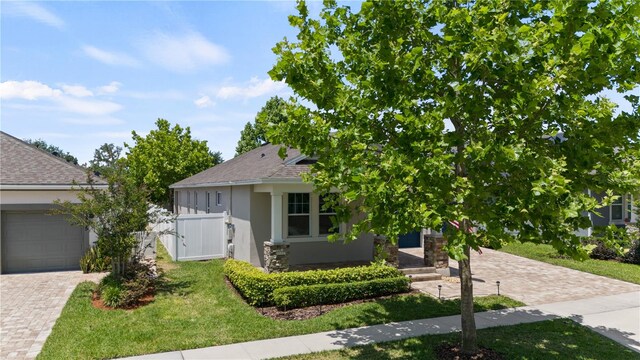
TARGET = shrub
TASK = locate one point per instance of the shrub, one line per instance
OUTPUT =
(124, 291)
(94, 261)
(633, 255)
(602, 252)
(257, 287)
(307, 295)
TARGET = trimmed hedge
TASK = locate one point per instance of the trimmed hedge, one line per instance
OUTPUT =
(290, 297)
(257, 287)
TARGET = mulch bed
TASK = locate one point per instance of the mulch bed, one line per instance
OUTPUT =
(453, 352)
(145, 300)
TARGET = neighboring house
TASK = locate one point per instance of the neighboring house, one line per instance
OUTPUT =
(621, 212)
(268, 203)
(30, 181)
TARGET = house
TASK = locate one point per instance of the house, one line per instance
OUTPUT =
(273, 212)
(31, 238)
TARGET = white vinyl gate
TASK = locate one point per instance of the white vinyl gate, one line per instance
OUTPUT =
(196, 237)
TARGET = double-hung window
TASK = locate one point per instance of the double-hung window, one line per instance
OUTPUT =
(195, 202)
(188, 202)
(218, 198)
(208, 200)
(298, 214)
(325, 214)
(622, 208)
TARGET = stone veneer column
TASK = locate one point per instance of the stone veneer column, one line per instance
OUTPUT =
(276, 257)
(434, 255)
(389, 251)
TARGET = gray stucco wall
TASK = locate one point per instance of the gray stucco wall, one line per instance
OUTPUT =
(318, 252)
(241, 218)
(260, 225)
(603, 219)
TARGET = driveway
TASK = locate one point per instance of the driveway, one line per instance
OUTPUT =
(530, 281)
(30, 304)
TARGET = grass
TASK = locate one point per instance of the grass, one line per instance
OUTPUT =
(197, 309)
(546, 253)
(555, 339)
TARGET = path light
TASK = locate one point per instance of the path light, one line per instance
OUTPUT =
(439, 290)
(498, 285)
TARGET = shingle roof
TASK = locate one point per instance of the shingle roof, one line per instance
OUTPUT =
(24, 164)
(256, 165)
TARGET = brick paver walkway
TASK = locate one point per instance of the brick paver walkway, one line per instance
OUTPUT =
(530, 281)
(29, 307)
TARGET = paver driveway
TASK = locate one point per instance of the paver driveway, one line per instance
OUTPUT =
(530, 281)
(29, 307)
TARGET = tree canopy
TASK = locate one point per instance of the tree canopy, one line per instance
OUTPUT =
(165, 156)
(489, 113)
(53, 150)
(254, 135)
(105, 158)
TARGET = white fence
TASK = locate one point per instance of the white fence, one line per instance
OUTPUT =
(196, 237)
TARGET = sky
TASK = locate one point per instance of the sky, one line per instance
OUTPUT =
(81, 74)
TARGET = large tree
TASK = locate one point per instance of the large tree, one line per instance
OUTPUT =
(165, 156)
(53, 150)
(105, 159)
(489, 113)
(254, 135)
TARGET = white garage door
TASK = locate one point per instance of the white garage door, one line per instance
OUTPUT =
(35, 241)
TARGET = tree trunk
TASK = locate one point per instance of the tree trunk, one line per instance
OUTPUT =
(469, 337)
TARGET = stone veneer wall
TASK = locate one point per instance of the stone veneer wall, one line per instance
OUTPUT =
(434, 255)
(276, 257)
(380, 243)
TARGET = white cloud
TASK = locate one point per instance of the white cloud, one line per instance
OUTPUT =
(155, 95)
(33, 11)
(113, 87)
(94, 121)
(27, 90)
(76, 90)
(184, 53)
(204, 102)
(254, 88)
(87, 107)
(62, 101)
(109, 57)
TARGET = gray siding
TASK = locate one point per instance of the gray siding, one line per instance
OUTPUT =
(601, 218)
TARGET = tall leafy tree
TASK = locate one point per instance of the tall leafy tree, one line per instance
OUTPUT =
(254, 135)
(105, 158)
(165, 156)
(53, 150)
(485, 112)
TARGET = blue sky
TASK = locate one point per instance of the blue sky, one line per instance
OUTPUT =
(79, 74)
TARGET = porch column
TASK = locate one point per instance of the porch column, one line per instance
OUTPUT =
(276, 218)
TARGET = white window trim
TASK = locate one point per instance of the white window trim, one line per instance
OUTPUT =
(627, 207)
(314, 221)
(218, 198)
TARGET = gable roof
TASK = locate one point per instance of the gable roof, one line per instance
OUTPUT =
(24, 164)
(260, 165)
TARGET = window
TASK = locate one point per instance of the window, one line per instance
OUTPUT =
(326, 212)
(298, 214)
(208, 202)
(195, 202)
(622, 209)
(188, 202)
(218, 198)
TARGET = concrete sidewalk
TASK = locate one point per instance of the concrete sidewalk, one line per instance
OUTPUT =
(615, 316)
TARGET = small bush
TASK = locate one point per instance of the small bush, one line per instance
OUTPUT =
(257, 287)
(94, 261)
(120, 292)
(633, 255)
(290, 297)
(602, 252)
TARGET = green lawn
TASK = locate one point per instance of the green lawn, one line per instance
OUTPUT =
(197, 309)
(555, 339)
(546, 253)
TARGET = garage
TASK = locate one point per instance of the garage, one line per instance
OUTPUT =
(36, 241)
